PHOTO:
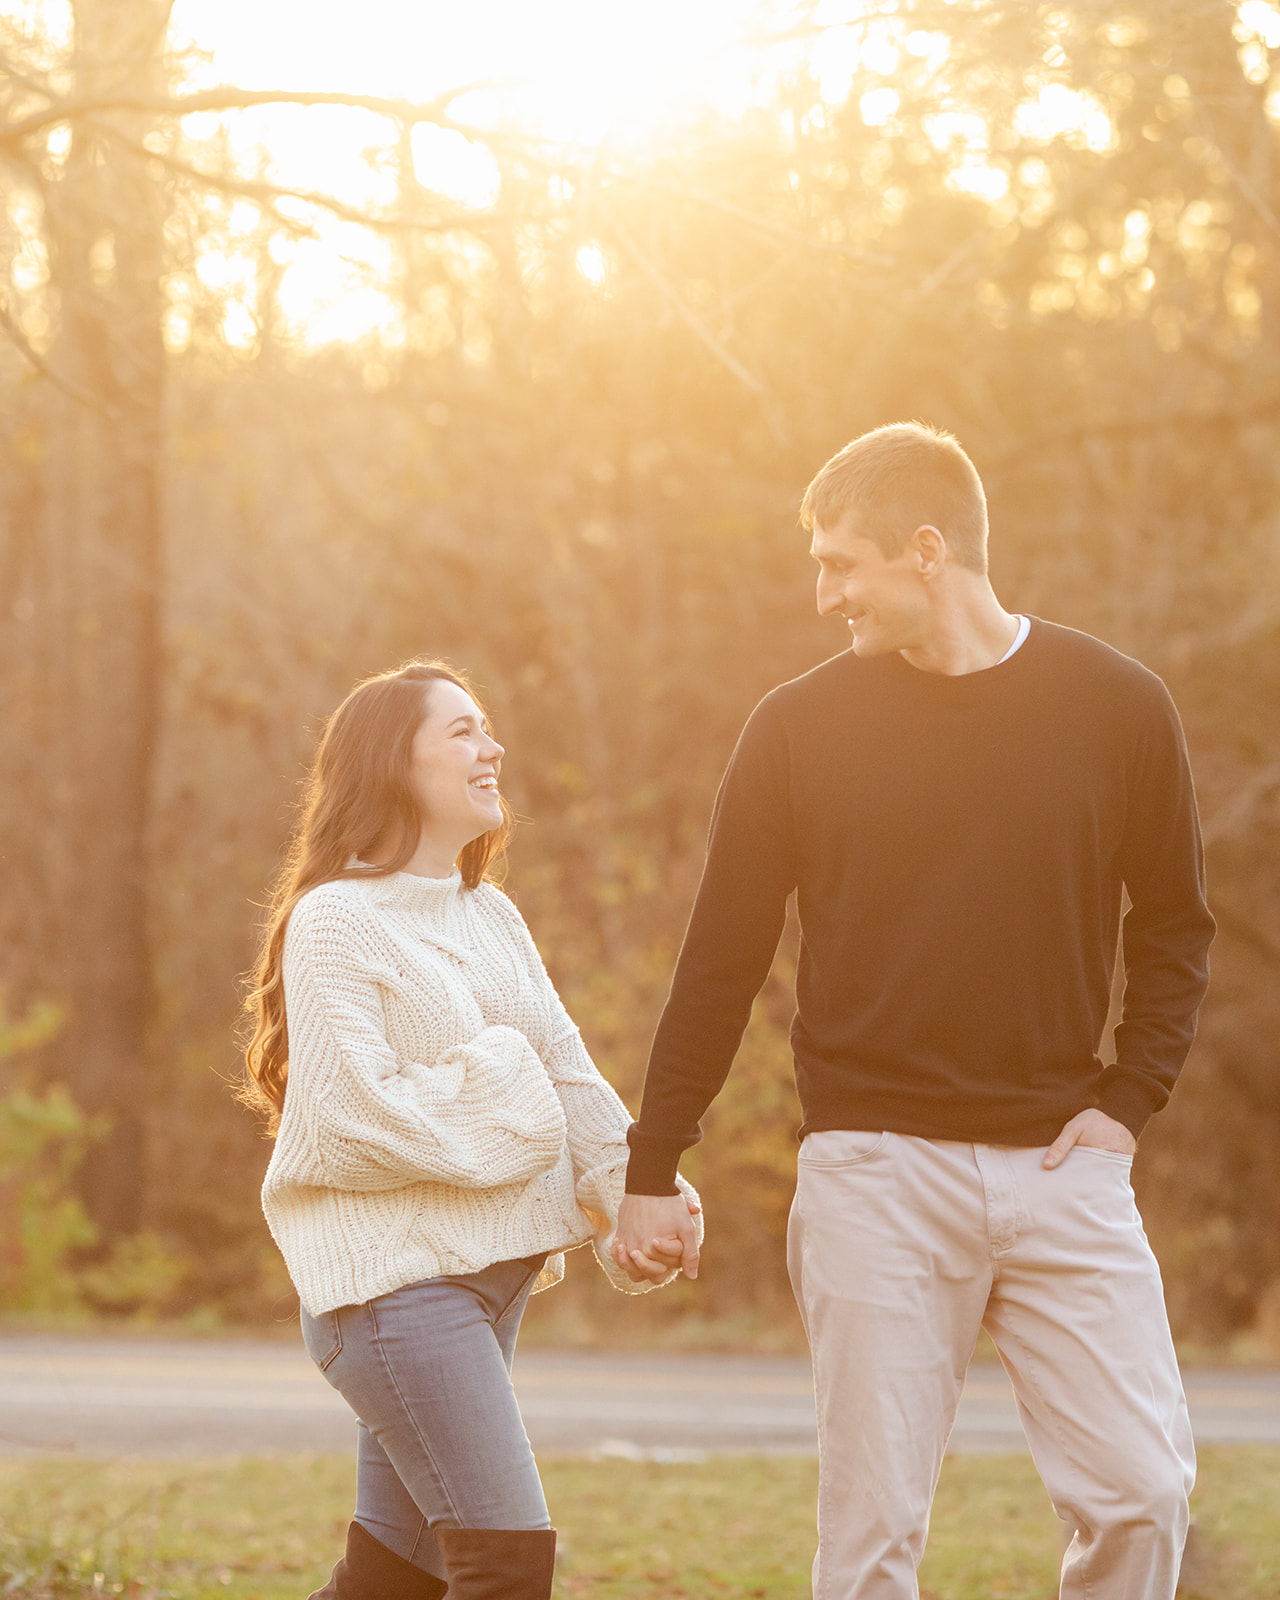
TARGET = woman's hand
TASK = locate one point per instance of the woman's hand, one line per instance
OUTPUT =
(656, 1234)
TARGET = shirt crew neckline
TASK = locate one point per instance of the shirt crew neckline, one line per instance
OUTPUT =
(1015, 663)
(1020, 638)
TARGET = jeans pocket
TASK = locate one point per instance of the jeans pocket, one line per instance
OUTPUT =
(322, 1335)
(532, 1265)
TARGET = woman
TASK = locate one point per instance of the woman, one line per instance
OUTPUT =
(442, 1137)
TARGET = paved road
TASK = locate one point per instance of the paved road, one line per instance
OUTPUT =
(204, 1397)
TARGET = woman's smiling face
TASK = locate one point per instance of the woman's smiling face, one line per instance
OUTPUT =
(453, 768)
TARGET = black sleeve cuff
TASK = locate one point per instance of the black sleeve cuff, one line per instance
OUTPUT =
(654, 1158)
(1129, 1097)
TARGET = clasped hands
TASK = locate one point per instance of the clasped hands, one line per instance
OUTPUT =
(655, 1234)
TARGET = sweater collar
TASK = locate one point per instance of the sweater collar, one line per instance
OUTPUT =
(408, 891)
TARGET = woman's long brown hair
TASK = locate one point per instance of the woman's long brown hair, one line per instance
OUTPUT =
(358, 796)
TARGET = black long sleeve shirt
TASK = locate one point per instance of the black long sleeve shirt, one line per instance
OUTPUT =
(959, 847)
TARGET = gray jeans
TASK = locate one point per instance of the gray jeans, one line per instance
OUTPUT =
(427, 1371)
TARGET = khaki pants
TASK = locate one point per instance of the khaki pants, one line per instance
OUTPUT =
(899, 1249)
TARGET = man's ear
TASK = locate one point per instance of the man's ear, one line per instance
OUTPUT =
(929, 548)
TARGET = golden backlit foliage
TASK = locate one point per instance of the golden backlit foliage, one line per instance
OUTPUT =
(567, 453)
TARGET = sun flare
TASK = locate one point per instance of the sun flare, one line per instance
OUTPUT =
(577, 70)
(583, 73)
(606, 76)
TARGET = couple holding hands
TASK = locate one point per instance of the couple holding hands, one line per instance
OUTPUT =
(960, 802)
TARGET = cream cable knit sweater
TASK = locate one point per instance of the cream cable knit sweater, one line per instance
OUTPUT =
(441, 1112)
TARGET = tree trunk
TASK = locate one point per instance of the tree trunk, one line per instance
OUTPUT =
(104, 218)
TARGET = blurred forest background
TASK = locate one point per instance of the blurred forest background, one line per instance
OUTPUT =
(571, 463)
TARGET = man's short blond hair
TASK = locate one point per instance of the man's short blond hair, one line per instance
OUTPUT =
(896, 479)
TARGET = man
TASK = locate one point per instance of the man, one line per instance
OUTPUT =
(959, 803)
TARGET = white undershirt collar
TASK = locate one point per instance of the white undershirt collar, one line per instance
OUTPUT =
(1024, 628)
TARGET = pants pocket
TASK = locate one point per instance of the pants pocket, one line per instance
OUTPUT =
(532, 1265)
(839, 1147)
(322, 1335)
(1117, 1156)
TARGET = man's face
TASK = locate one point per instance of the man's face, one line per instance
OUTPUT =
(882, 598)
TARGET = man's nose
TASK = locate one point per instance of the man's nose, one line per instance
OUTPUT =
(830, 597)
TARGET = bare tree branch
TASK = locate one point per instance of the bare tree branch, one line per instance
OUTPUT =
(685, 312)
(268, 194)
(779, 264)
(72, 390)
(1121, 427)
(10, 71)
(1242, 183)
(778, 230)
(959, 255)
(265, 194)
(229, 98)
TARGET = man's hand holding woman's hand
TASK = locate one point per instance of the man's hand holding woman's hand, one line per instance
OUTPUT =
(655, 1233)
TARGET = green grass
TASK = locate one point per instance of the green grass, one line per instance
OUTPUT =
(724, 1529)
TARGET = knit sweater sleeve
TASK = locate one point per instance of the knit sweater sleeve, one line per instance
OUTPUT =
(358, 1116)
(596, 1120)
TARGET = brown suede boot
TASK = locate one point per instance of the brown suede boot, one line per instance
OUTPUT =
(498, 1563)
(369, 1571)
